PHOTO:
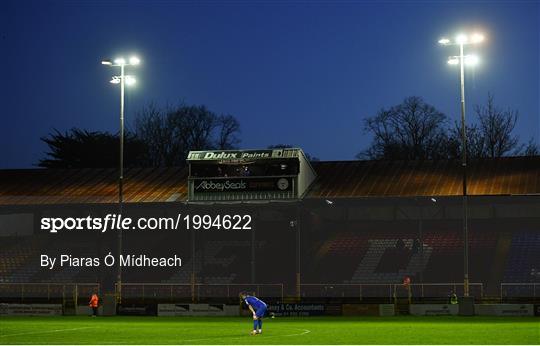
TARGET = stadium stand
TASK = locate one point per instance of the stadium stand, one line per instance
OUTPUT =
(524, 259)
(15, 264)
(218, 262)
(359, 223)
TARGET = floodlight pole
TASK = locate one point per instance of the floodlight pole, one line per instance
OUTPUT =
(421, 235)
(120, 62)
(464, 167)
(461, 41)
(121, 177)
(121, 181)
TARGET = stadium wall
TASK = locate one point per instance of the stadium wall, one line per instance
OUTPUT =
(335, 242)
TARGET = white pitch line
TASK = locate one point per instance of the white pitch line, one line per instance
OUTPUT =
(44, 332)
(304, 332)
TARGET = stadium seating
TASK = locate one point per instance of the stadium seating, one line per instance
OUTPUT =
(355, 254)
(18, 259)
(523, 264)
(388, 256)
(218, 262)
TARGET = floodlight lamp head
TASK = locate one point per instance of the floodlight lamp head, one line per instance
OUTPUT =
(130, 80)
(120, 61)
(444, 41)
(477, 38)
(134, 60)
(472, 60)
(453, 60)
(462, 39)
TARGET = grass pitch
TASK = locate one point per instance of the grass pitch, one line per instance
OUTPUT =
(284, 330)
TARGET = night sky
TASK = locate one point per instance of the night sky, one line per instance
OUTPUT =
(301, 73)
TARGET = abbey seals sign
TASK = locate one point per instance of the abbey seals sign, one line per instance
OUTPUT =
(241, 155)
(242, 184)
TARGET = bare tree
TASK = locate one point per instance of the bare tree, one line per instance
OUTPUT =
(496, 127)
(228, 128)
(152, 128)
(171, 133)
(411, 130)
(531, 149)
(474, 138)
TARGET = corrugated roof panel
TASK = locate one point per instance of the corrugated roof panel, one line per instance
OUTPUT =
(144, 184)
(497, 181)
(347, 181)
(363, 171)
(405, 184)
(163, 187)
(518, 175)
(452, 184)
(176, 186)
(136, 186)
(437, 178)
(368, 179)
(394, 175)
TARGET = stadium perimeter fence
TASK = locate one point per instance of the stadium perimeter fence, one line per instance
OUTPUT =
(58, 293)
(511, 292)
(173, 292)
(351, 292)
(80, 292)
(388, 292)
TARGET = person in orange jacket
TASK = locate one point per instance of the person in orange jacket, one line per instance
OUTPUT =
(94, 303)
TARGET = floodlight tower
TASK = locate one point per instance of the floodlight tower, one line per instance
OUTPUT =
(122, 79)
(462, 40)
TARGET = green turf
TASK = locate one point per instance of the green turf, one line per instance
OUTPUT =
(285, 330)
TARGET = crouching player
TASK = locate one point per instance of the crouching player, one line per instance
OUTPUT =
(257, 308)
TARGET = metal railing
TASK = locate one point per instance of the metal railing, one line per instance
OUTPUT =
(520, 290)
(21, 292)
(197, 292)
(50, 292)
(476, 289)
(339, 290)
(390, 291)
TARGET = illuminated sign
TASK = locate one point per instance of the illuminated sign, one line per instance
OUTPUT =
(242, 184)
(233, 155)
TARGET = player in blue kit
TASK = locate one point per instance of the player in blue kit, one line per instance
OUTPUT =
(257, 308)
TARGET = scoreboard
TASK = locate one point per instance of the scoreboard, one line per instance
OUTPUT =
(243, 175)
